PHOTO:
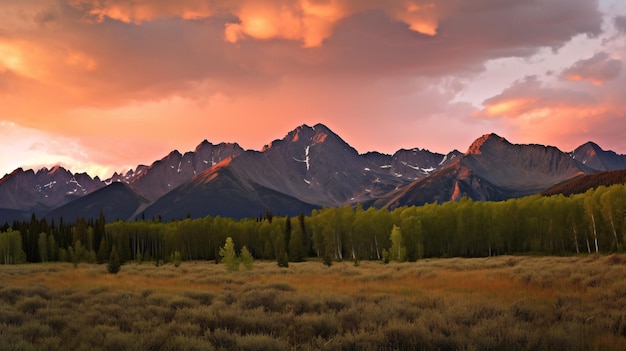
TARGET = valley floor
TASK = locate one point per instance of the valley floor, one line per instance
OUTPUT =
(498, 303)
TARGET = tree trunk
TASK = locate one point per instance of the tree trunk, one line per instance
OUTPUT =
(595, 233)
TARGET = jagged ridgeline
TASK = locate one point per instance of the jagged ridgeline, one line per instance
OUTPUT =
(591, 222)
(310, 168)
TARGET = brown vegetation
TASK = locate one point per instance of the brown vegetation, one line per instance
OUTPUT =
(498, 303)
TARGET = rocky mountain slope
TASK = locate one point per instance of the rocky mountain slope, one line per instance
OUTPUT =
(310, 167)
(492, 169)
(39, 192)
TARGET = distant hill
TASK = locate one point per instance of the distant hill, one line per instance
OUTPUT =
(585, 182)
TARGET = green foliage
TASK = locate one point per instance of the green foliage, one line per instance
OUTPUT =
(104, 251)
(328, 261)
(385, 256)
(64, 255)
(246, 258)
(175, 258)
(114, 264)
(228, 255)
(397, 251)
(11, 251)
(297, 248)
(592, 222)
(53, 249)
(79, 253)
(283, 259)
(42, 245)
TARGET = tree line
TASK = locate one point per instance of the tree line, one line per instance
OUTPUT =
(592, 222)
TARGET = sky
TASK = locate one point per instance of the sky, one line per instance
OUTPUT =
(99, 86)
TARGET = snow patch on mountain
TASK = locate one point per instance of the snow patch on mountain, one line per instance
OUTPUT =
(445, 157)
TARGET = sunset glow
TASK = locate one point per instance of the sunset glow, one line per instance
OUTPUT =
(104, 85)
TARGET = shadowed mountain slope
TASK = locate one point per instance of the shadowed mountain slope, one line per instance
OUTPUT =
(116, 201)
(219, 192)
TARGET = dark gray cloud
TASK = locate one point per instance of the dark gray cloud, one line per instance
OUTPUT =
(620, 24)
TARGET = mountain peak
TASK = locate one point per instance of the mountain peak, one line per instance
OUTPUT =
(589, 147)
(485, 141)
(592, 155)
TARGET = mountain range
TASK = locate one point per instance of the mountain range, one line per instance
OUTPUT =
(311, 167)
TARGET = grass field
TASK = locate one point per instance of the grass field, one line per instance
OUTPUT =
(501, 303)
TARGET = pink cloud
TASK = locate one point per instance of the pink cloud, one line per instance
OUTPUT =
(598, 69)
(532, 111)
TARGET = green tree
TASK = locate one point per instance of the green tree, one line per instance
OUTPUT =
(228, 255)
(11, 251)
(175, 258)
(283, 259)
(104, 251)
(114, 264)
(53, 249)
(246, 258)
(397, 251)
(42, 244)
(297, 248)
(385, 255)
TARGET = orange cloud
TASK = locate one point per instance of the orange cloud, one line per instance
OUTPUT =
(511, 107)
(81, 60)
(420, 18)
(308, 21)
(139, 11)
(17, 57)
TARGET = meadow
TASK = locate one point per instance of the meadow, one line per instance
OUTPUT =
(496, 303)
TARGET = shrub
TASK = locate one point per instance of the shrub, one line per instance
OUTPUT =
(203, 297)
(260, 343)
(31, 304)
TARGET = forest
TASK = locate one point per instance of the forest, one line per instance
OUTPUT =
(592, 222)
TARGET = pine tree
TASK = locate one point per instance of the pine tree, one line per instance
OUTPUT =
(297, 248)
(114, 264)
(104, 251)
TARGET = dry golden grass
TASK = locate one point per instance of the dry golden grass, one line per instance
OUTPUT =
(500, 303)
